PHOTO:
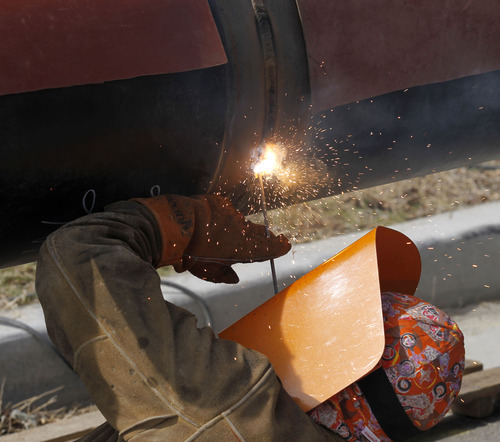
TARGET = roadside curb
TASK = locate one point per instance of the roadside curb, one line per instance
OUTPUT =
(460, 254)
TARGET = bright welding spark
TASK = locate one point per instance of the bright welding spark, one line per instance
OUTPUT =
(268, 162)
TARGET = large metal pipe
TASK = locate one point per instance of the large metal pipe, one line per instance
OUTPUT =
(139, 125)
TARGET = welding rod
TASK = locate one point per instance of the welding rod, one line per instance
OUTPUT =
(268, 234)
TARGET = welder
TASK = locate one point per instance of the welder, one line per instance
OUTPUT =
(155, 376)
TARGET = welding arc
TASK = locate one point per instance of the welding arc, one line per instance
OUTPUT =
(268, 233)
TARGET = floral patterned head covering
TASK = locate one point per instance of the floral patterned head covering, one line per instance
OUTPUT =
(423, 360)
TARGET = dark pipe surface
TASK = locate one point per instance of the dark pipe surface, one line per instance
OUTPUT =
(410, 133)
(68, 152)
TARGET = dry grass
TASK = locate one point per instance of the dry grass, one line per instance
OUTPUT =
(34, 412)
(364, 209)
(17, 286)
(388, 204)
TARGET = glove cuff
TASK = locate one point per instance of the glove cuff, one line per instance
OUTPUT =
(174, 216)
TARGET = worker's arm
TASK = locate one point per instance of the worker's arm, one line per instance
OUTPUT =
(206, 235)
(149, 369)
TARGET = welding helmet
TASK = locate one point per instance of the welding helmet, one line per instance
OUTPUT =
(415, 382)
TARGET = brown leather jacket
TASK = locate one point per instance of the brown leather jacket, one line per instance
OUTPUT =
(153, 374)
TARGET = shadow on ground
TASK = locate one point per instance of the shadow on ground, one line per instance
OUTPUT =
(460, 428)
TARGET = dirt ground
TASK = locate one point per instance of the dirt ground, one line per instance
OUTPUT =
(360, 210)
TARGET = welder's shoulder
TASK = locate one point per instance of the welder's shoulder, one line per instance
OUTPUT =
(123, 226)
(115, 218)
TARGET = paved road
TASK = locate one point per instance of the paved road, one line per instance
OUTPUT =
(480, 324)
(462, 429)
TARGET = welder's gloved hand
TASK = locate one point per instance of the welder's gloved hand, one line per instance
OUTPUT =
(205, 235)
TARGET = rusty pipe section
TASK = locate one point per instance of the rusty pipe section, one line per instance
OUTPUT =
(104, 101)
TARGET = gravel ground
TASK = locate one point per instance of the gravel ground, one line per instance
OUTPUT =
(360, 210)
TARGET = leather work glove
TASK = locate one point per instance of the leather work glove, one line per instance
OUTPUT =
(206, 235)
